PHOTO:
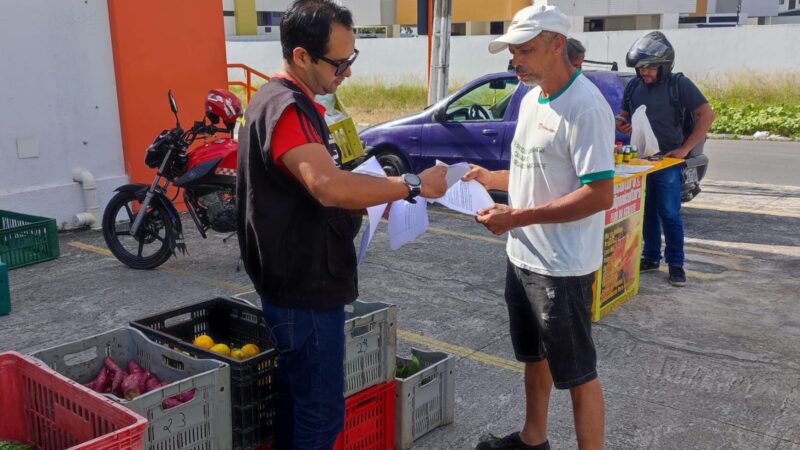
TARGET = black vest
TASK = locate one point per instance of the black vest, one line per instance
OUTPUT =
(298, 253)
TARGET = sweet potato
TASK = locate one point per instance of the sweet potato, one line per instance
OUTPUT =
(131, 385)
(170, 403)
(116, 382)
(152, 383)
(111, 365)
(185, 396)
(134, 367)
(100, 381)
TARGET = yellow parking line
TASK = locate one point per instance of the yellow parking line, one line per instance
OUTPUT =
(91, 248)
(210, 281)
(465, 352)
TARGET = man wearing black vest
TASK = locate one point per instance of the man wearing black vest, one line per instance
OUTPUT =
(294, 216)
(680, 117)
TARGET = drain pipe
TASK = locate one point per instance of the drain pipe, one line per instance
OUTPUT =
(91, 217)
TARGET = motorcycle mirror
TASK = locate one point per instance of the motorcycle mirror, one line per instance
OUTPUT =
(172, 104)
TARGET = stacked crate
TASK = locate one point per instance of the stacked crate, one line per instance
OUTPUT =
(370, 332)
(252, 380)
(201, 422)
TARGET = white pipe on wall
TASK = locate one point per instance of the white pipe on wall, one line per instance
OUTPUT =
(91, 217)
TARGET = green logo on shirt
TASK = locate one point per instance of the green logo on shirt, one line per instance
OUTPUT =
(523, 158)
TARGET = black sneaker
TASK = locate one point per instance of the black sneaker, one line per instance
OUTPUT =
(510, 442)
(677, 277)
(647, 266)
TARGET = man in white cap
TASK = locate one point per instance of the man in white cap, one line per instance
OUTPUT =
(561, 179)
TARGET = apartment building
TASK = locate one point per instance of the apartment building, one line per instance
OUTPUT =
(397, 18)
(722, 13)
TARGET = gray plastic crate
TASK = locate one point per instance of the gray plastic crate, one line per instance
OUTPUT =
(425, 400)
(370, 342)
(202, 423)
(370, 345)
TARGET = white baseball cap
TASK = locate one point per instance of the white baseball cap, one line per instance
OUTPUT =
(528, 23)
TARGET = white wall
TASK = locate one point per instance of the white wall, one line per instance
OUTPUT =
(760, 7)
(365, 12)
(741, 49)
(57, 89)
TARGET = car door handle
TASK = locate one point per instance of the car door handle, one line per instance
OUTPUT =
(413, 138)
(489, 132)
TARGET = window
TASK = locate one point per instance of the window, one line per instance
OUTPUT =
(487, 101)
(268, 18)
(496, 28)
(594, 25)
(458, 29)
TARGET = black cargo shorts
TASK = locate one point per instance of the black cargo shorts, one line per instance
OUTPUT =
(551, 317)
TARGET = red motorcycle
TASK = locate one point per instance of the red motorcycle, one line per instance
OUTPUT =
(141, 226)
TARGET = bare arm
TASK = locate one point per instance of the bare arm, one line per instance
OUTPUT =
(313, 167)
(705, 117)
(583, 202)
(496, 180)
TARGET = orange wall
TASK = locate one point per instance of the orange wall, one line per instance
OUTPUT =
(160, 45)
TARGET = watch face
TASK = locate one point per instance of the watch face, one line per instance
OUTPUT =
(411, 180)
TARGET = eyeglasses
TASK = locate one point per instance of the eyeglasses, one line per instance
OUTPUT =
(341, 66)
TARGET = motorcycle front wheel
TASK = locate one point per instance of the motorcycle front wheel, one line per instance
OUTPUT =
(150, 247)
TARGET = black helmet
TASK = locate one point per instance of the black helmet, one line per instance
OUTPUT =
(652, 50)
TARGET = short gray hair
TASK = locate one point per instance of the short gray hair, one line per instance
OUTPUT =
(574, 48)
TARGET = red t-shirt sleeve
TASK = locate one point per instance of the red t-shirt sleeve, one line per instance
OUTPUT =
(292, 130)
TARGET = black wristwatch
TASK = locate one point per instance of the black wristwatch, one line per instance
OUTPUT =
(414, 186)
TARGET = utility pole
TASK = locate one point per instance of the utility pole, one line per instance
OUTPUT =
(439, 53)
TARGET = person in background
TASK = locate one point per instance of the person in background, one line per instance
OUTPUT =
(561, 179)
(576, 53)
(680, 117)
(295, 226)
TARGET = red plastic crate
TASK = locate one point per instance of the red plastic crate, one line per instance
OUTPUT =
(51, 412)
(368, 420)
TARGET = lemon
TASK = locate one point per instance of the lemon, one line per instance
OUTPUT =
(221, 349)
(203, 341)
(237, 354)
(250, 350)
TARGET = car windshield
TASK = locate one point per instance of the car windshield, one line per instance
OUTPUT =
(487, 101)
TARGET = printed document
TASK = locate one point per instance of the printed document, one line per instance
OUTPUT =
(407, 221)
(374, 213)
(466, 197)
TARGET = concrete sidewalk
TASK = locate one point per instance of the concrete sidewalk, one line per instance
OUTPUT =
(713, 365)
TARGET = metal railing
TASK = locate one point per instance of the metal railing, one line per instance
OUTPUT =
(250, 76)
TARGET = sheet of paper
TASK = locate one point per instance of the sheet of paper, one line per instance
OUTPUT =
(623, 170)
(454, 172)
(374, 213)
(466, 197)
(407, 221)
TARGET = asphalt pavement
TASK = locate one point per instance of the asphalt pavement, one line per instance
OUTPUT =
(713, 365)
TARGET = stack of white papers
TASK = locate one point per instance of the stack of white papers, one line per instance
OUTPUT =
(407, 221)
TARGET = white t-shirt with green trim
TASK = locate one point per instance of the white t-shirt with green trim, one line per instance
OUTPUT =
(560, 143)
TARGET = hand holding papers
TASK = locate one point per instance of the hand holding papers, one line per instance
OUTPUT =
(466, 197)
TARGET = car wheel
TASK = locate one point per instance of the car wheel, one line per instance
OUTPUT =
(392, 164)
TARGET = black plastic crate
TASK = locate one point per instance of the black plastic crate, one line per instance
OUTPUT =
(253, 390)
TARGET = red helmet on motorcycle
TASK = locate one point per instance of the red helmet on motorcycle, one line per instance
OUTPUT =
(221, 104)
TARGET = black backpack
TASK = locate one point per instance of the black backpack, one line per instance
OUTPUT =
(684, 118)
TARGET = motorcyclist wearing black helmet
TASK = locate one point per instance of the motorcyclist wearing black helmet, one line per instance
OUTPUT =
(680, 117)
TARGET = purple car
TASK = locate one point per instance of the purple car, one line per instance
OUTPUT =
(476, 124)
